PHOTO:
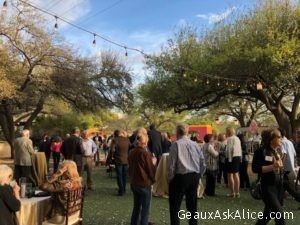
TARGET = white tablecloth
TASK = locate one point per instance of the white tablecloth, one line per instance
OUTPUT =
(33, 210)
(161, 186)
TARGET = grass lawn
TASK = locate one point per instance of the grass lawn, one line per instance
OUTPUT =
(103, 206)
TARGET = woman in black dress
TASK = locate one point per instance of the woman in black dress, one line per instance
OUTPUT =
(267, 162)
(9, 196)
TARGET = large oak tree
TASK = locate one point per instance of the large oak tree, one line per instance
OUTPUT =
(260, 45)
(36, 64)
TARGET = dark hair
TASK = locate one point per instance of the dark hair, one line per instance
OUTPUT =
(265, 137)
(268, 135)
(241, 137)
(221, 137)
(152, 126)
(117, 133)
(282, 131)
(75, 130)
(207, 137)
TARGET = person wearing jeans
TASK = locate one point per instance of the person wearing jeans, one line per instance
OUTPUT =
(122, 170)
(119, 152)
(141, 175)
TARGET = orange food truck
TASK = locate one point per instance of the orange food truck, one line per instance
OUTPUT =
(200, 130)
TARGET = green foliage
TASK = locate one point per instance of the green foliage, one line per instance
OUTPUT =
(64, 123)
(260, 45)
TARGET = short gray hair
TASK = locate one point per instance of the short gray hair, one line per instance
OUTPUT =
(5, 172)
(182, 129)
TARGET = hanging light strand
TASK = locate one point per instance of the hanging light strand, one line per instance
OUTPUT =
(82, 28)
(229, 81)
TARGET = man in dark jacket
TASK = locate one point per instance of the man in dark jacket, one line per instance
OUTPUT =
(72, 148)
(155, 141)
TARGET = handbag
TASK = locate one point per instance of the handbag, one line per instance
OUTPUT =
(255, 190)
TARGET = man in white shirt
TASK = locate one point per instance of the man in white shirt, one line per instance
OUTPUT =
(186, 165)
(89, 150)
(289, 152)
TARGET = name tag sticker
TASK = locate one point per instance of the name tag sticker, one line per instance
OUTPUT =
(269, 158)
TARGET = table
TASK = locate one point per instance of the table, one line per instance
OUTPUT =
(33, 211)
(39, 167)
(161, 186)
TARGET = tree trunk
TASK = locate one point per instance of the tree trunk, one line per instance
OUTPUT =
(35, 113)
(283, 122)
(7, 125)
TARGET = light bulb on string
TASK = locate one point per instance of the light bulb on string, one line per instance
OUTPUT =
(56, 24)
(196, 80)
(184, 75)
(94, 41)
(232, 84)
(207, 82)
(226, 83)
(218, 83)
(126, 53)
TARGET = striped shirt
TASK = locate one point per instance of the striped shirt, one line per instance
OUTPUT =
(211, 156)
(185, 157)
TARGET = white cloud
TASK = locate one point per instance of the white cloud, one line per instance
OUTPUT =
(216, 18)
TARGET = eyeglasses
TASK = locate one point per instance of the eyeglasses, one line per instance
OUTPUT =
(278, 136)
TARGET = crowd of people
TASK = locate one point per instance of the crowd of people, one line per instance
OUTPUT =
(223, 157)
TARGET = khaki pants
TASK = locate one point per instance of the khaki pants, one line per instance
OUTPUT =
(88, 167)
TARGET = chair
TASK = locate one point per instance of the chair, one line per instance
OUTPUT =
(71, 203)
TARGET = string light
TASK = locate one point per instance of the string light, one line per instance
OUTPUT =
(81, 28)
(218, 83)
(94, 41)
(126, 53)
(124, 46)
(56, 24)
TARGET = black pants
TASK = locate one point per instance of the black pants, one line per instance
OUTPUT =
(289, 189)
(222, 172)
(244, 177)
(183, 185)
(24, 171)
(210, 185)
(56, 159)
(272, 196)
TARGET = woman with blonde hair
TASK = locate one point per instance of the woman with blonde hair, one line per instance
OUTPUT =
(233, 157)
(66, 178)
(142, 176)
(9, 196)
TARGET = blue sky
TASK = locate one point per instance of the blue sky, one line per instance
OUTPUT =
(142, 24)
